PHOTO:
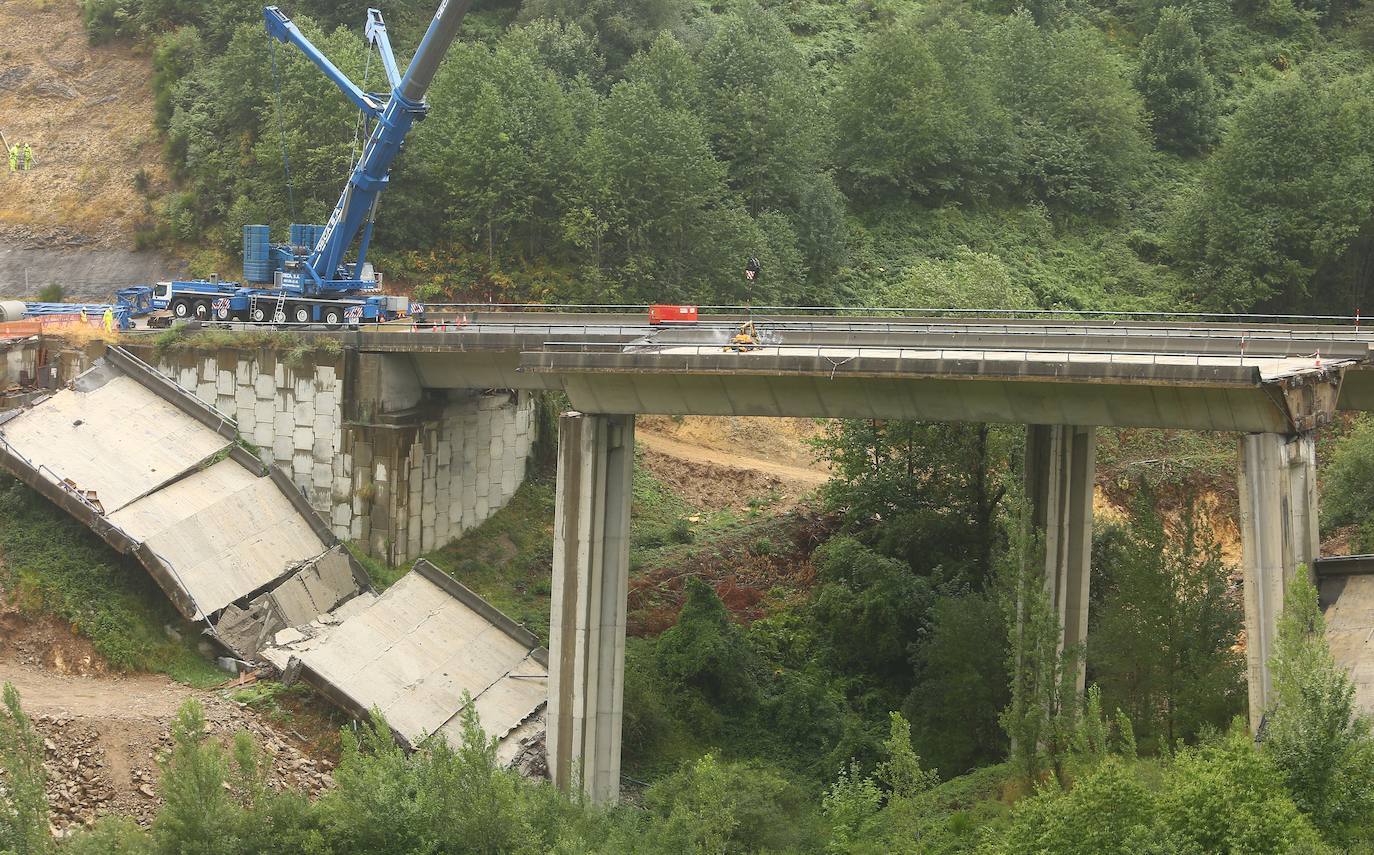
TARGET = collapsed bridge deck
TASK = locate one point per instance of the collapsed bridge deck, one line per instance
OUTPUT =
(163, 477)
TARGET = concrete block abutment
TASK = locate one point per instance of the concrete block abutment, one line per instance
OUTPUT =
(590, 585)
(18, 361)
(388, 464)
(1279, 538)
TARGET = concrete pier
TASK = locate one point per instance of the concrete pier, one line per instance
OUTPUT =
(1278, 529)
(591, 561)
(1060, 467)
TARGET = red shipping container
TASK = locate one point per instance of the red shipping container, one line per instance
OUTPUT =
(672, 314)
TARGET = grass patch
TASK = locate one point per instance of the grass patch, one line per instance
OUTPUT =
(508, 560)
(294, 347)
(299, 708)
(52, 563)
(666, 529)
(382, 575)
(659, 517)
(270, 698)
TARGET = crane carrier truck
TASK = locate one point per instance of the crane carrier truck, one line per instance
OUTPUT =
(307, 280)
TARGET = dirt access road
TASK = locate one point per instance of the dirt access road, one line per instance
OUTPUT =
(718, 462)
(104, 733)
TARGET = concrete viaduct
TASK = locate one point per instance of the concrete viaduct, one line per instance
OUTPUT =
(1273, 385)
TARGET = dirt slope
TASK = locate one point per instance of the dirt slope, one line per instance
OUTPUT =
(104, 733)
(718, 462)
(780, 442)
(88, 113)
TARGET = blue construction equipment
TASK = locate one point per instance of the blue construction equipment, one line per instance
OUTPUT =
(94, 311)
(310, 280)
(138, 299)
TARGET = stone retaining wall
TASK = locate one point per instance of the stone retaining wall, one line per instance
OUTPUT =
(402, 484)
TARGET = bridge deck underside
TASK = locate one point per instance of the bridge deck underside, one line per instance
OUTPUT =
(1216, 394)
(930, 399)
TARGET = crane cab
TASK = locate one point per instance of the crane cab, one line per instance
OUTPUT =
(162, 295)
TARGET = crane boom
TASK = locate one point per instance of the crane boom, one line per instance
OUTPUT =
(402, 107)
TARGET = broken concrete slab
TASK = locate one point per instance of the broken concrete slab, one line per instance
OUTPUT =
(416, 651)
(226, 532)
(305, 596)
(248, 630)
(1349, 629)
(158, 475)
(116, 437)
(236, 545)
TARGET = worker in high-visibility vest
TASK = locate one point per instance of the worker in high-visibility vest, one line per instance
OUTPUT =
(109, 320)
(14, 158)
(28, 157)
(85, 319)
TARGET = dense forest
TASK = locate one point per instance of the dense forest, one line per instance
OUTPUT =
(1135, 155)
(1142, 154)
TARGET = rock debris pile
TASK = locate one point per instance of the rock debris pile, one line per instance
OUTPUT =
(94, 770)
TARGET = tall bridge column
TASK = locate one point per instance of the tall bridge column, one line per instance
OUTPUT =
(1060, 468)
(1278, 531)
(591, 559)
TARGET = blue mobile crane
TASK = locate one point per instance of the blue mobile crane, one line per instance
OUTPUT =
(310, 280)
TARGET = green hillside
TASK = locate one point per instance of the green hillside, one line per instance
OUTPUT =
(1135, 155)
(880, 669)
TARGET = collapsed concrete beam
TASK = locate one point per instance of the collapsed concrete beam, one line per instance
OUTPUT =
(415, 653)
(1279, 536)
(590, 584)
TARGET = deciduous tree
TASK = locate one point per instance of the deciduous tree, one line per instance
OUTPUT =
(1176, 84)
(1163, 644)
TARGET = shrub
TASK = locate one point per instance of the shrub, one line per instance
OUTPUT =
(51, 293)
(1318, 740)
(1348, 478)
(23, 805)
(1226, 797)
(707, 653)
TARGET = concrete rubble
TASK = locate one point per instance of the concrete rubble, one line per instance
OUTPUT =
(85, 782)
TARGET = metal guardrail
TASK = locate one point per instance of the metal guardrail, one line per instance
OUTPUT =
(929, 311)
(888, 327)
(57, 480)
(1239, 340)
(903, 353)
(1344, 565)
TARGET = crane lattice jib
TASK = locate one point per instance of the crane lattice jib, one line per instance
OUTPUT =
(393, 117)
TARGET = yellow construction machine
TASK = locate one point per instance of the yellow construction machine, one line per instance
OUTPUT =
(745, 340)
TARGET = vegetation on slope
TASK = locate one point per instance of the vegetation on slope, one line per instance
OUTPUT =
(1305, 789)
(1086, 154)
(50, 562)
